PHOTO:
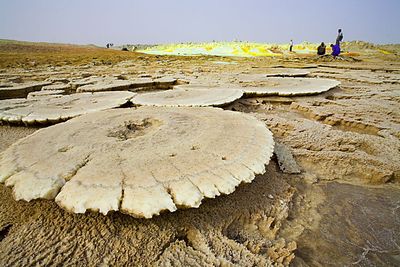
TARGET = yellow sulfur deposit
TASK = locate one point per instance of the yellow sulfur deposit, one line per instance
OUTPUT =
(239, 49)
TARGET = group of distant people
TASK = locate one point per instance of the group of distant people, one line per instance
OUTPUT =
(321, 50)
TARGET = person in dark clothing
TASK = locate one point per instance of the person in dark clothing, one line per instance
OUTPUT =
(339, 37)
(291, 46)
(321, 50)
(335, 50)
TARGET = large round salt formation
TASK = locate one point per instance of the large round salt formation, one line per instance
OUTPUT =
(292, 86)
(56, 108)
(140, 162)
(188, 98)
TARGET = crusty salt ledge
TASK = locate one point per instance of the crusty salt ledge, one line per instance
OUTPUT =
(188, 97)
(272, 72)
(292, 86)
(45, 93)
(112, 84)
(21, 90)
(67, 88)
(141, 161)
(264, 86)
(106, 85)
(201, 86)
(286, 72)
(59, 107)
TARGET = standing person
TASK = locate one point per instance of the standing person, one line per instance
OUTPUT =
(339, 37)
(321, 50)
(291, 45)
(335, 50)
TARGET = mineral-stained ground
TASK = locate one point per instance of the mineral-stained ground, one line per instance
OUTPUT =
(342, 209)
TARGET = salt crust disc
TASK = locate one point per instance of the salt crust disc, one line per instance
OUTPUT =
(274, 86)
(57, 108)
(141, 161)
(188, 97)
(292, 86)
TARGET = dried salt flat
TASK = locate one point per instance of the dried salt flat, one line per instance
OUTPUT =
(6, 84)
(142, 82)
(85, 81)
(112, 84)
(207, 86)
(21, 90)
(58, 80)
(45, 93)
(59, 108)
(273, 72)
(364, 76)
(292, 86)
(105, 85)
(286, 72)
(296, 66)
(188, 98)
(272, 86)
(165, 82)
(67, 88)
(162, 83)
(141, 161)
(224, 62)
(14, 79)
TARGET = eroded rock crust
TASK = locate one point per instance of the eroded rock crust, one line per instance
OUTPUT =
(188, 97)
(291, 86)
(55, 108)
(140, 161)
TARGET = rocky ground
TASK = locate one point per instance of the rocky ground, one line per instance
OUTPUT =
(342, 209)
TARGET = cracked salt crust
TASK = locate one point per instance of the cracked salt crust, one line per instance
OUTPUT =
(141, 161)
(59, 107)
(188, 97)
(292, 86)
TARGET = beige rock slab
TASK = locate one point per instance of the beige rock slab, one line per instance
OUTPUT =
(272, 72)
(112, 84)
(21, 90)
(53, 87)
(286, 72)
(142, 82)
(45, 93)
(188, 97)
(213, 87)
(165, 81)
(6, 84)
(141, 161)
(198, 86)
(85, 81)
(292, 86)
(58, 80)
(106, 85)
(59, 107)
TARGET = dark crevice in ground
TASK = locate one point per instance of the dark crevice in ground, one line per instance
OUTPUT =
(4, 232)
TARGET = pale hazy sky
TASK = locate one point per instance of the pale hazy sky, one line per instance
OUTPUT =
(157, 21)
